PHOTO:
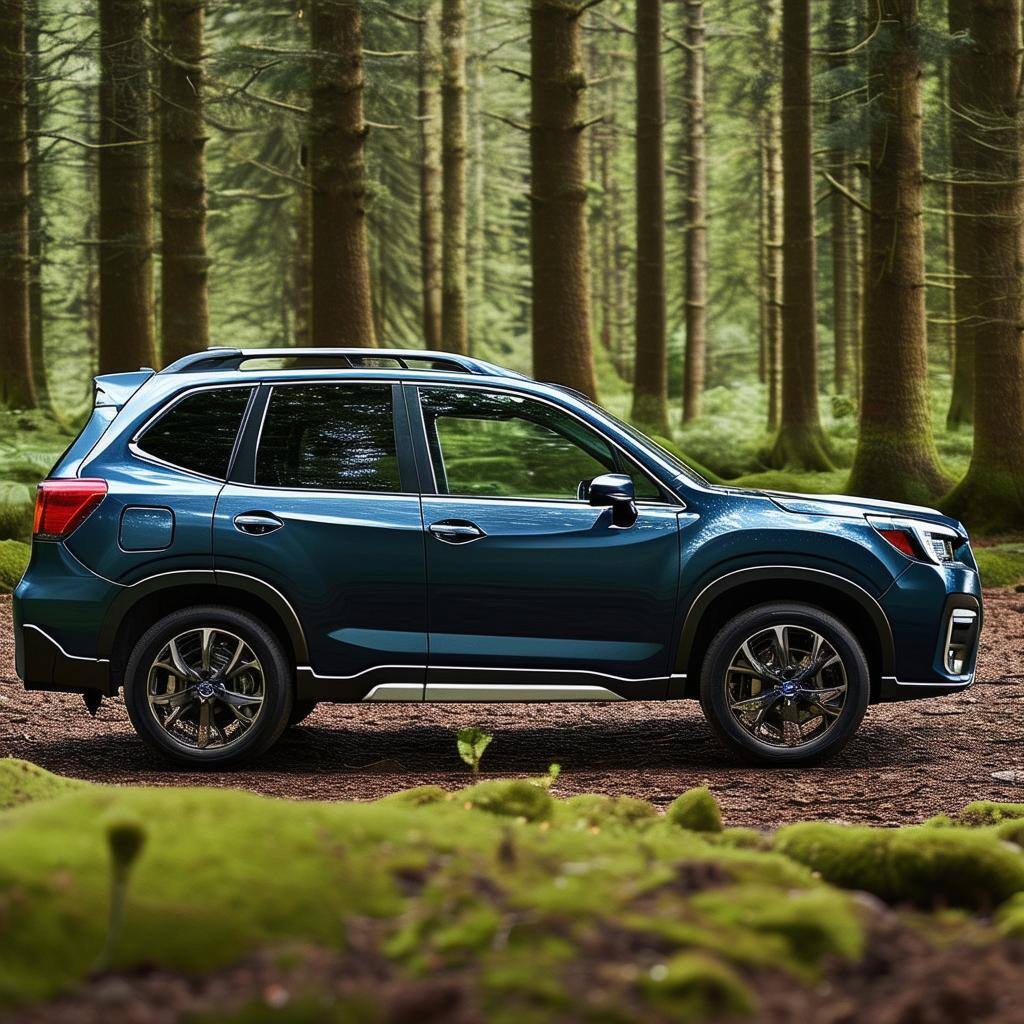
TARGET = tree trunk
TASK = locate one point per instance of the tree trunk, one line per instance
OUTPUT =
(559, 249)
(430, 171)
(772, 146)
(476, 241)
(35, 209)
(962, 150)
(342, 310)
(16, 385)
(801, 441)
(696, 250)
(991, 496)
(650, 382)
(896, 456)
(454, 322)
(843, 213)
(126, 190)
(184, 309)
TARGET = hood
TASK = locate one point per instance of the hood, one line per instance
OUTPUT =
(850, 507)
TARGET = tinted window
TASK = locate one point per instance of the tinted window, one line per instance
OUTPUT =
(199, 432)
(506, 446)
(329, 437)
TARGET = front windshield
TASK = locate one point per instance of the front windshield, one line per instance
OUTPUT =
(641, 438)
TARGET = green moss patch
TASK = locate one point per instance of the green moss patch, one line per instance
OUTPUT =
(22, 783)
(696, 810)
(1001, 565)
(13, 562)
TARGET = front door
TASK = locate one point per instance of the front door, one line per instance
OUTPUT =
(532, 592)
(327, 513)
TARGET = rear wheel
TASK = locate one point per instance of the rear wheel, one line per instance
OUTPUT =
(785, 684)
(208, 687)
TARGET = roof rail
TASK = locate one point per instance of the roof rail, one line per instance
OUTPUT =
(355, 358)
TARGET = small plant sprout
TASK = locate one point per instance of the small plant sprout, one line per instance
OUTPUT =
(547, 780)
(472, 744)
(125, 838)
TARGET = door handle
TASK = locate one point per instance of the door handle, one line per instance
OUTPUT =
(257, 523)
(456, 531)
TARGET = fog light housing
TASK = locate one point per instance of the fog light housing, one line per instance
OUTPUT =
(961, 633)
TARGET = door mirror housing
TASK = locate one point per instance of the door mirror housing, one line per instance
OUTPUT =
(614, 491)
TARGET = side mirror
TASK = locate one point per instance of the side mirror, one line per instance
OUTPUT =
(614, 491)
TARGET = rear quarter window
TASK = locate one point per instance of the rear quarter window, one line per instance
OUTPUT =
(198, 432)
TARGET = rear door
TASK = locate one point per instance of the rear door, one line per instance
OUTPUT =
(533, 593)
(323, 506)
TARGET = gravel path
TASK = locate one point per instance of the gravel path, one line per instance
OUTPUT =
(908, 761)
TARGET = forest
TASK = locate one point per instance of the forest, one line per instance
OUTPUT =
(784, 237)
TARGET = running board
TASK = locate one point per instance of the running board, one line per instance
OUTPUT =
(487, 693)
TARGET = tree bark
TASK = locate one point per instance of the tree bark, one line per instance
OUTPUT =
(896, 456)
(695, 256)
(559, 249)
(454, 321)
(965, 271)
(430, 171)
(650, 381)
(126, 190)
(35, 208)
(842, 212)
(771, 145)
(342, 309)
(801, 441)
(991, 496)
(16, 385)
(184, 308)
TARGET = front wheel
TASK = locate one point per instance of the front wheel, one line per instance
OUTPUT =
(208, 687)
(785, 684)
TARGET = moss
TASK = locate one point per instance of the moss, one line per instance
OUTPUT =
(21, 783)
(696, 810)
(14, 557)
(921, 865)
(418, 796)
(1010, 919)
(515, 798)
(989, 812)
(17, 504)
(307, 1009)
(695, 986)
(1001, 565)
(742, 839)
(594, 811)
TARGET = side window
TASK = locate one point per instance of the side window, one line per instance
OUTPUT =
(198, 433)
(494, 445)
(329, 437)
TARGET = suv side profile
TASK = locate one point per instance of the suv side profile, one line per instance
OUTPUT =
(246, 533)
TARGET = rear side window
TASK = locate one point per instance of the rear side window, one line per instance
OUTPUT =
(198, 433)
(331, 437)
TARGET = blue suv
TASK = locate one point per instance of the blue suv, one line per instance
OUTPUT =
(246, 533)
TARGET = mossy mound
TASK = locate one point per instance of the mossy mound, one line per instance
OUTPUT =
(696, 810)
(926, 866)
(22, 783)
(694, 986)
(593, 811)
(509, 798)
(13, 562)
(17, 504)
(989, 812)
(1001, 565)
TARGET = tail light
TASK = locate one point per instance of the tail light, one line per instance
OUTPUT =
(63, 505)
(917, 539)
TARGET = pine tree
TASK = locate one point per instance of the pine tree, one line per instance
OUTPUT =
(896, 456)
(560, 256)
(184, 311)
(430, 171)
(342, 310)
(650, 380)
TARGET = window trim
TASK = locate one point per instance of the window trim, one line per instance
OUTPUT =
(422, 446)
(169, 406)
(400, 429)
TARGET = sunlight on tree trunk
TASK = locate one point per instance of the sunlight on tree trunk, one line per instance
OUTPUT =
(342, 310)
(429, 110)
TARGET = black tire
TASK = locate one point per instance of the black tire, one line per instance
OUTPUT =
(728, 641)
(301, 710)
(274, 714)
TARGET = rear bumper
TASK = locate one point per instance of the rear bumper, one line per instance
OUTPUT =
(892, 689)
(42, 664)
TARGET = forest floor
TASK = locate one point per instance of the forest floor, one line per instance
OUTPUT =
(907, 762)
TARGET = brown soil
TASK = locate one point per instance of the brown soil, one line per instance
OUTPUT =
(907, 762)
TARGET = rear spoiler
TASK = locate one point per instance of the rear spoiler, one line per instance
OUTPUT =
(114, 389)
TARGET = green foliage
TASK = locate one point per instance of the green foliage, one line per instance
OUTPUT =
(925, 866)
(695, 986)
(1001, 565)
(696, 810)
(14, 556)
(22, 783)
(17, 502)
(472, 742)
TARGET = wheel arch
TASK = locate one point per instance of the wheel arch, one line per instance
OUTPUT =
(736, 591)
(143, 603)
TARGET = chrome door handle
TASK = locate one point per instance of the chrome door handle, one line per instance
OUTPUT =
(257, 523)
(456, 531)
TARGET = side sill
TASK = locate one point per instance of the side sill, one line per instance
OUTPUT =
(891, 689)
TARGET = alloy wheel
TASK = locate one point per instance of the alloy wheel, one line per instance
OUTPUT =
(206, 688)
(786, 686)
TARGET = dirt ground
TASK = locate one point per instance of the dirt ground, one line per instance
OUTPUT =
(908, 761)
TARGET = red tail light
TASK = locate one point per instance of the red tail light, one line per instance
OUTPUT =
(63, 505)
(902, 541)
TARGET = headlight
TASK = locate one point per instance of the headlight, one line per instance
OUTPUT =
(918, 539)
